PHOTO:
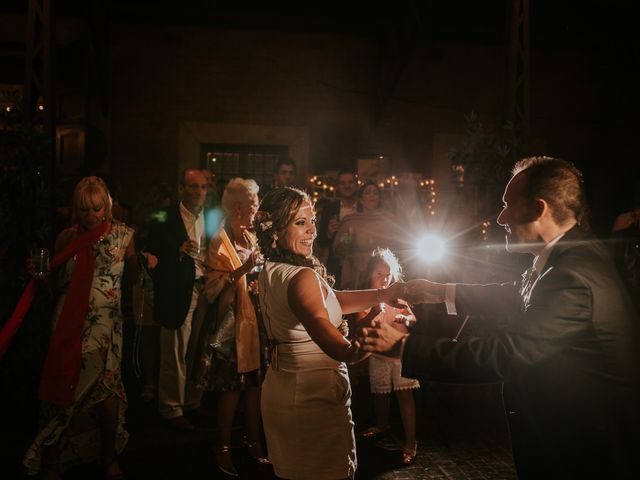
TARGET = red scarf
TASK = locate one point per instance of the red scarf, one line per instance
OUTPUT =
(62, 366)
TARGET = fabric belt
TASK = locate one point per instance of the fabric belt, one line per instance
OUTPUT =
(299, 356)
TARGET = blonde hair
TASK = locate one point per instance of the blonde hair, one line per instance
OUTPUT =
(236, 191)
(91, 192)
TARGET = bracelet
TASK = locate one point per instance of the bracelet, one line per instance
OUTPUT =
(230, 279)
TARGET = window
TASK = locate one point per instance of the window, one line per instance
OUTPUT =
(227, 161)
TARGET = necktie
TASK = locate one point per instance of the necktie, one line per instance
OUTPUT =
(530, 277)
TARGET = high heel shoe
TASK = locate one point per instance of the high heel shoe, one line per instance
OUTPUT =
(224, 461)
(374, 432)
(409, 454)
(256, 453)
(113, 471)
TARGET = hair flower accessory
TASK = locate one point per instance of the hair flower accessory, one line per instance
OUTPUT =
(263, 221)
(266, 225)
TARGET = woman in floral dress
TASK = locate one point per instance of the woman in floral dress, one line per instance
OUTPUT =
(83, 399)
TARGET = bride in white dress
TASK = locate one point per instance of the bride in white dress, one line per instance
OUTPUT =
(306, 395)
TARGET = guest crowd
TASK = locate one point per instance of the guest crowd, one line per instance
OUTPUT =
(270, 301)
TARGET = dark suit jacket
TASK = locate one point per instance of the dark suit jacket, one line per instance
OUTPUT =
(174, 276)
(567, 358)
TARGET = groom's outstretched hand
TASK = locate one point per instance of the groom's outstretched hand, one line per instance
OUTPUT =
(424, 291)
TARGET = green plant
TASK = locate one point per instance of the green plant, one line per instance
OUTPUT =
(480, 167)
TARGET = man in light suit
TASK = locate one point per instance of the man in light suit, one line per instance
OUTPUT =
(568, 356)
(177, 281)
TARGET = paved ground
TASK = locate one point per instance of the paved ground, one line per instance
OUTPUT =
(461, 436)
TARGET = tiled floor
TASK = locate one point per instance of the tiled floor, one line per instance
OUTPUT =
(453, 444)
(481, 459)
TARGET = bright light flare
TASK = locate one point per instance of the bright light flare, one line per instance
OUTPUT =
(430, 248)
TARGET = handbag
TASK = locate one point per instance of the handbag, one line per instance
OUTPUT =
(224, 334)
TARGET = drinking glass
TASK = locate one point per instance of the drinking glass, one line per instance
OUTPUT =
(40, 259)
(198, 251)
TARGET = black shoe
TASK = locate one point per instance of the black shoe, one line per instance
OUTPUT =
(224, 460)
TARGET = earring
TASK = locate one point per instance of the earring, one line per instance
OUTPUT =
(274, 245)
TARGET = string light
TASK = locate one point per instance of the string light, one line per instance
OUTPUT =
(485, 230)
(324, 186)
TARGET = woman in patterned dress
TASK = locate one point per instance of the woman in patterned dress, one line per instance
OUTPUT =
(83, 399)
(229, 361)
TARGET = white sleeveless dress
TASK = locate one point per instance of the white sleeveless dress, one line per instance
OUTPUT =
(306, 395)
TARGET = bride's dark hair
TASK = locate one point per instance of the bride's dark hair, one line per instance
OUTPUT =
(277, 211)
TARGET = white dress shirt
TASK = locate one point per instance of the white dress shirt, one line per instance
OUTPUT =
(194, 224)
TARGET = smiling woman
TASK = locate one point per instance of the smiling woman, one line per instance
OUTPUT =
(286, 229)
(300, 234)
(306, 394)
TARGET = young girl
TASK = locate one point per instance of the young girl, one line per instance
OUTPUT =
(382, 270)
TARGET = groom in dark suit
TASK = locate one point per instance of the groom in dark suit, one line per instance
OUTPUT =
(568, 356)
